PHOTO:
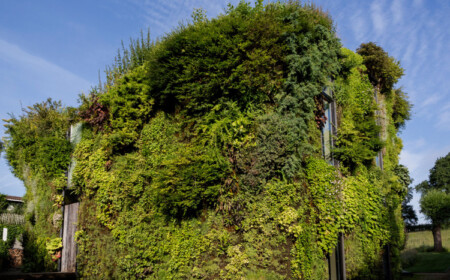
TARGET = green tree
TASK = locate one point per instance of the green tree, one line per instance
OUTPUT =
(3, 203)
(382, 69)
(435, 200)
(408, 214)
(401, 109)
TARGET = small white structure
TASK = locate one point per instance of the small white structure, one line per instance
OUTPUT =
(5, 234)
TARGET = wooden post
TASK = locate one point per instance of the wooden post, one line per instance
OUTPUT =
(69, 250)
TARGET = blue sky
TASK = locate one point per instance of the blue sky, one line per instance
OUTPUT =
(55, 49)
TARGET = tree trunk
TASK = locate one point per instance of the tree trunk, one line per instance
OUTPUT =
(437, 238)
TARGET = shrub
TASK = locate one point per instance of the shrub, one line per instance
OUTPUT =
(4, 254)
(408, 257)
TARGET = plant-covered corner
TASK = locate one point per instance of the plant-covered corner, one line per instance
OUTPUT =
(201, 156)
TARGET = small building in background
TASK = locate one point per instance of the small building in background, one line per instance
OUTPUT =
(12, 216)
(14, 203)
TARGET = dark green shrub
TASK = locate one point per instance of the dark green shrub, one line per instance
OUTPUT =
(4, 255)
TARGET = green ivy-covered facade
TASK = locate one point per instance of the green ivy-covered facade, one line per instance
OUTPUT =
(202, 156)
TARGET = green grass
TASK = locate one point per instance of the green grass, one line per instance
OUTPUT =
(419, 239)
(430, 263)
(417, 258)
(425, 277)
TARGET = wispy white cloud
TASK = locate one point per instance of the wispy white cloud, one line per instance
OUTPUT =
(411, 160)
(359, 25)
(378, 17)
(166, 15)
(443, 122)
(446, 107)
(14, 54)
(420, 160)
(418, 143)
(431, 100)
(397, 11)
(31, 78)
(425, 104)
(408, 54)
(418, 3)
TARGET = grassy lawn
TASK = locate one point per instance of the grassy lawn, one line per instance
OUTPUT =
(430, 262)
(425, 238)
(418, 258)
(426, 277)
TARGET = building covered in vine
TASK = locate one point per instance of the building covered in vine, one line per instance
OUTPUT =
(248, 146)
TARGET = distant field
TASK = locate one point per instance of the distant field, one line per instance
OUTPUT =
(425, 238)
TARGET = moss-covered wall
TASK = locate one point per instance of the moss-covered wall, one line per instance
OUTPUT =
(201, 156)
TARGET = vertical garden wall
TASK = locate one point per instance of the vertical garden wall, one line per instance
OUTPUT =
(201, 156)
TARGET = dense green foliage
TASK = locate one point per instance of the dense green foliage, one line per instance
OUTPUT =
(14, 227)
(436, 206)
(4, 255)
(37, 140)
(439, 177)
(14, 232)
(3, 203)
(200, 157)
(357, 142)
(383, 70)
(39, 154)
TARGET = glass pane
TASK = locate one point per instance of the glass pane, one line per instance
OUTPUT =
(327, 133)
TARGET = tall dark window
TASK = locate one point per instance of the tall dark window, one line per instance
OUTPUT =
(328, 125)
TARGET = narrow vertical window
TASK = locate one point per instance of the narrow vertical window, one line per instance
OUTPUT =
(327, 132)
(328, 125)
